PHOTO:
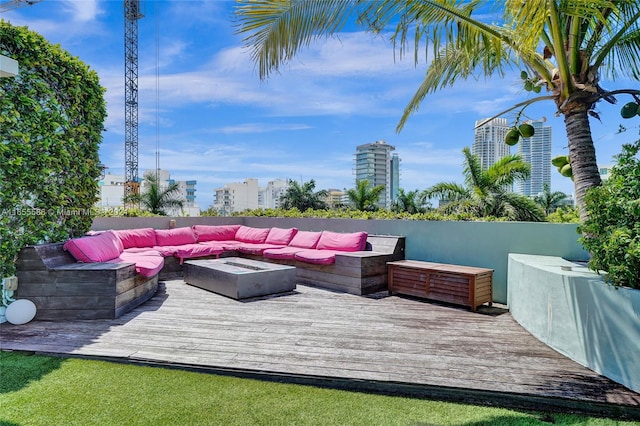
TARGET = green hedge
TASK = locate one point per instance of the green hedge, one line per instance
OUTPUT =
(51, 119)
(612, 233)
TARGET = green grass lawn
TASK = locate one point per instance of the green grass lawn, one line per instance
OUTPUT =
(40, 390)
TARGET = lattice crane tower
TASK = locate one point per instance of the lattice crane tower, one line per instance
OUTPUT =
(14, 4)
(132, 12)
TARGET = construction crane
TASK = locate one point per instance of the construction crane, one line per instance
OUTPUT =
(132, 13)
(14, 4)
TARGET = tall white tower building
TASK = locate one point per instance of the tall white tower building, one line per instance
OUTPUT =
(373, 163)
(536, 151)
(488, 143)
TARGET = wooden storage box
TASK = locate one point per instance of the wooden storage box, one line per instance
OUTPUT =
(463, 285)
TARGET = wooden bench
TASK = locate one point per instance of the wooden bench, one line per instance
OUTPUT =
(463, 285)
(63, 289)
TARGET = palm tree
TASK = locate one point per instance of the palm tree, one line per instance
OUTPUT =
(562, 45)
(548, 200)
(303, 197)
(365, 197)
(409, 202)
(486, 192)
(155, 198)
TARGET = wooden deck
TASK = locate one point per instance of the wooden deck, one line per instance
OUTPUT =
(387, 344)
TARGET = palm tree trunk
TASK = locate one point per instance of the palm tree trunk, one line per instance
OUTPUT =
(582, 154)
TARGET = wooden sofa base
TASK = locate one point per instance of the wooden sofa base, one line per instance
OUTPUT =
(63, 289)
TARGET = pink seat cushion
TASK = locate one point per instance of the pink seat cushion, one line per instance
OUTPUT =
(142, 237)
(257, 249)
(280, 236)
(189, 251)
(247, 234)
(95, 248)
(215, 232)
(305, 239)
(318, 257)
(175, 237)
(354, 241)
(147, 264)
(286, 253)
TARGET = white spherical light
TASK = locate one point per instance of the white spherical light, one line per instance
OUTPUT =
(20, 312)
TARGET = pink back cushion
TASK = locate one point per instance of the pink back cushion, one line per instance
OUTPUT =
(215, 232)
(247, 234)
(281, 236)
(142, 237)
(354, 241)
(175, 237)
(305, 239)
(97, 248)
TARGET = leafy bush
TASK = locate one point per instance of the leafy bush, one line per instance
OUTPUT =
(51, 119)
(564, 215)
(359, 214)
(612, 232)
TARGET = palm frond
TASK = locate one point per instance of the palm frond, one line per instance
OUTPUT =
(278, 28)
(448, 191)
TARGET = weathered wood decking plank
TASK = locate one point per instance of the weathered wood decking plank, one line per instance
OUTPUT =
(387, 343)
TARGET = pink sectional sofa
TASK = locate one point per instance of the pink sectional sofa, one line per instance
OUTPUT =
(131, 262)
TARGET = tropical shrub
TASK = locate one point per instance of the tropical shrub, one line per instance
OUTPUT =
(51, 119)
(612, 232)
(564, 215)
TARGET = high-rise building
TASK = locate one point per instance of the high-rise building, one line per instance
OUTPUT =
(373, 163)
(536, 151)
(488, 144)
(395, 176)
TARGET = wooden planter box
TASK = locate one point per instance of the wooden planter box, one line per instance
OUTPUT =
(462, 285)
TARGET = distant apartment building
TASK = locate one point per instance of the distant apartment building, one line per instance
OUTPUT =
(270, 195)
(111, 192)
(237, 197)
(605, 171)
(373, 163)
(336, 198)
(536, 151)
(488, 143)
(186, 192)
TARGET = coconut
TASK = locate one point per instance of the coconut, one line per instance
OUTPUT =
(512, 137)
(629, 110)
(526, 130)
(560, 160)
(566, 171)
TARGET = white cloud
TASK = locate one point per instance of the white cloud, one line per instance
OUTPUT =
(84, 10)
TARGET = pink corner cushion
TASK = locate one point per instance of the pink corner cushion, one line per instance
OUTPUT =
(247, 234)
(96, 248)
(280, 236)
(215, 232)
(147, 264)
(175, 237)
(354, 241)
(142, 237)
(318, 257)
(305, 239)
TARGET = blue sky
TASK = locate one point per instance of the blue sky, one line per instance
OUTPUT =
(218, 123)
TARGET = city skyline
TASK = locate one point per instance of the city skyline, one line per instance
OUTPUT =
(218, 123)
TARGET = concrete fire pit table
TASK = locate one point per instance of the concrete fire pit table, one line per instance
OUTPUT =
(240, 278)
